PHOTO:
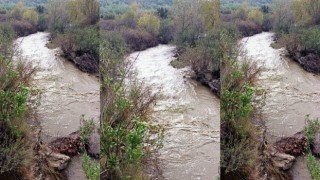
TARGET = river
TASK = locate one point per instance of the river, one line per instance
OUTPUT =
(292, 93)
(66, 92)
(189, 113)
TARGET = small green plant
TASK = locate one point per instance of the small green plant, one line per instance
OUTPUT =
(86, 129)
(311, 129)
(91, 168)
(313, 166)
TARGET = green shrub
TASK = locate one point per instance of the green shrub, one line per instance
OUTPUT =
(87, 40)
(86, 129)
(124, 114)
(310, 40)
(14, 111)
(166, 31)
(313, 166)
(91, 168)
(138, 40)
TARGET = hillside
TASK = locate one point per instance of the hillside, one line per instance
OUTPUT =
(9, 4)
(120, 6)
(234, 4)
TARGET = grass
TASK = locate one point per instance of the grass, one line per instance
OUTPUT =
(313, 166)
(51, 45)
(276, 45)
(312, 128)
(178, 64)
(91, 167)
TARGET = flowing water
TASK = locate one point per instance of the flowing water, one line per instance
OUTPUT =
(292, 93)
(189, 112)
(66, 92)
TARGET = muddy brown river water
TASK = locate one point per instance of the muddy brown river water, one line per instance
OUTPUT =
(66, 93)
(292, 93)
(189, 112)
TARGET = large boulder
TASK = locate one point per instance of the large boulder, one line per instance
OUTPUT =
(57, 161)
(281, 160)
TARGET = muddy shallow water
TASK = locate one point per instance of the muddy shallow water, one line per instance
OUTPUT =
(189, 112)
(292, 93)
(67, 93)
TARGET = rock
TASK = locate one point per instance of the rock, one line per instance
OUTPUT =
(55, 160)
(281, 160)
(58, 161)
(315, 147)
(87, 63)
(93, 148)
(215, 86)
(70, 145)
(310, 62)
(295, 145)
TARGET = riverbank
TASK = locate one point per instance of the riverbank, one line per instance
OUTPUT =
(288, 87)
(66, 94)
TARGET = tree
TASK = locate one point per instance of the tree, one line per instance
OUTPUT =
(243, 11)
(210, 12)
(162, 13)
(40, 9)
(90, 10)
(282, 16)
(187, 21)
(150, 23)
(17, 11)
(300, 13)
(74, 13)
(83, 12)
(57, 16)
(31, 16)
(256, 16)
(130, 17)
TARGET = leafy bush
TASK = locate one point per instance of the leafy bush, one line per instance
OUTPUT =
(91, 168)
(23, 28)
(150, 23)
(238, 130)
(166, 31)
(13, 108)
(138, 39)
(124, 114)
(31, 16)
(87, 40)
(310, 40)
(313, 166)
(248, 28)
(87, 127)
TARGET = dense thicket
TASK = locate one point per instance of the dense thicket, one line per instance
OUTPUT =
(14, 112)
(296, 24)
(74, 27)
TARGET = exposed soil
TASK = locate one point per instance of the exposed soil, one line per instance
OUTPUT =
(295, 145)
(70, 145)
(310, 62)
(86, 62)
